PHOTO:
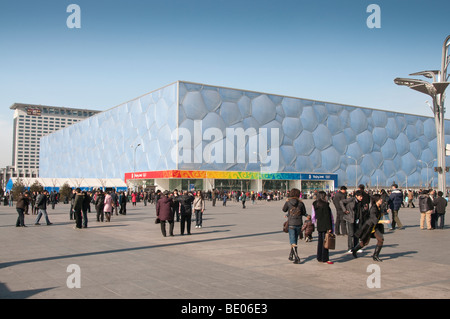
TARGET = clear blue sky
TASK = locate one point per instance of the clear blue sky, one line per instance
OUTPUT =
(317, 49)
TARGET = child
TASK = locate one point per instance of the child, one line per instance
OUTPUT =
(308, 228)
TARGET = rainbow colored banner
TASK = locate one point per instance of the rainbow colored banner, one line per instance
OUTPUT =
(212, 175)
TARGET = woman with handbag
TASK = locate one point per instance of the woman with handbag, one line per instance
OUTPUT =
(294, 209)
(323, 218)
(372, 228)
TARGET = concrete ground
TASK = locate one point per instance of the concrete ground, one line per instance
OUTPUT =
(238, 254)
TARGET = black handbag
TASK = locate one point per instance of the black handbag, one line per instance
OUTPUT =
(157, 220)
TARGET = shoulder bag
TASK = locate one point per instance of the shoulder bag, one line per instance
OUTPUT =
(329, 241)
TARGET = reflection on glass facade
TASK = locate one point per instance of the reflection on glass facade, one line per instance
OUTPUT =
(360, 145)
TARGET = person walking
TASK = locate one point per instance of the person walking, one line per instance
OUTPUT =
(411, 199)
(114, 202)
(224, 199)
(108, 206)
(426, 209)
(22, 204)
(176, 206)
(352, 210)
(53, 199)
(85, 208)
(185, 201)
(294, 209)
(371, 229)
(341, 227)
(72, 199)
(213, 197)
(133, 198)
(33, 199)
(99, 205)
(165, 213)
(395, 202)
(243, 198)
(440, 203)
(10, 199)
(323, 218)
(78, 207)
(199, 208)
(123, 199)
(41, 204)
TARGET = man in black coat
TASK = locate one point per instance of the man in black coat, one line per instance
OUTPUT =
(440, 205)
(186, 201)
(41, 204)
(352, 212)
(340, 221)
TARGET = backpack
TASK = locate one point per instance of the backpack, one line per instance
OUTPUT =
(295, 211)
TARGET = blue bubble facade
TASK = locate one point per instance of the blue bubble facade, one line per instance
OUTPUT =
(361, 145)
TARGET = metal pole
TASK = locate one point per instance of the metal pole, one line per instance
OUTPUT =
(440, 123)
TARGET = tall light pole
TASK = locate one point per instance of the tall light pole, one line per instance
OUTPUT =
(134, 160)
(436, 90)
(427, 167)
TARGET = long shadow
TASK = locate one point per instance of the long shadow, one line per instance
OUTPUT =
(220, 226)
(112, 251)
(5, 293)
(107, 226)
(368, 252)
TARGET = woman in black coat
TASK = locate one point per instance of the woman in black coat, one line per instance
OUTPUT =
(323, 218)
(372, 229)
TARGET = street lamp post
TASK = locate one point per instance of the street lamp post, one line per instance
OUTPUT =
(427, 167)
(436, 90)
(134, 162)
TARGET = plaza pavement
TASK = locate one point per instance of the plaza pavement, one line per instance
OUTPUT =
(238, 254)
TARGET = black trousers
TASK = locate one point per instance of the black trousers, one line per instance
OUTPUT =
(352, 240)
(322, 253)
(163, 227)
(21, 218)
(78, 218)
(185, 218)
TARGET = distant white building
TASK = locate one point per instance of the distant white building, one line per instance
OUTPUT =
(31, 122)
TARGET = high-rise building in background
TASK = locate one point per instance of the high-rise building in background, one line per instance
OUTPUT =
(31, 122)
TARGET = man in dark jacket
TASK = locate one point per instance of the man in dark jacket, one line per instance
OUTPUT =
(41, 204)
(440, 204)
(78, 207)
(340, 221)
(165, 213)
(22, 208)
(352, 212)
(395, 202)
(99, 205)
(86, 207)
(53, 199)
(426, 209)
(186, 201)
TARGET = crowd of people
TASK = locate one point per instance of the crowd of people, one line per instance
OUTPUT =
(360, 215)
